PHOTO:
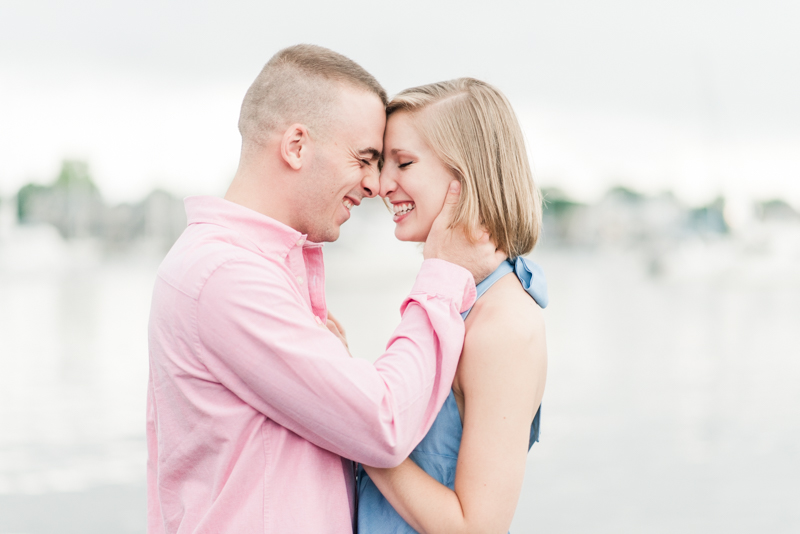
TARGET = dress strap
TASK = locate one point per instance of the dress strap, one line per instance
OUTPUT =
(502, 270)
(532, 279)
(529, 274)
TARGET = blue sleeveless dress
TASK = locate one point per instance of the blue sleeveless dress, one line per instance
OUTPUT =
(437, 453)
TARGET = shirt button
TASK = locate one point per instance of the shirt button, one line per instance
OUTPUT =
(300, 280)
(300, 242)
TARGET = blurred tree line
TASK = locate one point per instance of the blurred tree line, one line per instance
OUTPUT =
(628, 217)
(73, 204)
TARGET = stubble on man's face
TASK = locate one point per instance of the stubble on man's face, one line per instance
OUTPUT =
(338, 172)
(319, 199)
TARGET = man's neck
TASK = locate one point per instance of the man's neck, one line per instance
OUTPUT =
(257, 194)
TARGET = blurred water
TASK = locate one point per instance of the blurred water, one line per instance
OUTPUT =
(74, 360)
(672, 402)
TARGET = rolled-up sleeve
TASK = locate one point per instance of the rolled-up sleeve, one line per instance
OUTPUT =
(261, 341)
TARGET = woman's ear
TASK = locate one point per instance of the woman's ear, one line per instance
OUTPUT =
(294, 145)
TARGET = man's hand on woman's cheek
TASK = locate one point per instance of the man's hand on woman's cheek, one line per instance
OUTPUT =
(478, 255)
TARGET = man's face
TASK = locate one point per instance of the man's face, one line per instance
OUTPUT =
(344, 167)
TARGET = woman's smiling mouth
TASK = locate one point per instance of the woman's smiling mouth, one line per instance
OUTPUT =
(401, 209)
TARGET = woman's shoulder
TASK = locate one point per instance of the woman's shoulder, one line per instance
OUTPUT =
(504, 346)
(506, 307)
(505, 324)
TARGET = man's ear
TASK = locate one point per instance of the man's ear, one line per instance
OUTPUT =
(294, 145)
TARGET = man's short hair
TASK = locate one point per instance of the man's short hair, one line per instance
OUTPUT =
(300, 84)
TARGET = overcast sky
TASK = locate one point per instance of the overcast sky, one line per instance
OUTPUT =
(700, 97)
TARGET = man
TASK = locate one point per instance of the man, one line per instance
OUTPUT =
(253, 403)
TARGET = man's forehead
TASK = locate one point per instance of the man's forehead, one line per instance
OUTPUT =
(362, 120)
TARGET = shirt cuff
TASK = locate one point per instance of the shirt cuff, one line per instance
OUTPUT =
(440, 278)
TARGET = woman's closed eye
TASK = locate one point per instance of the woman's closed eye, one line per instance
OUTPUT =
(403, 165)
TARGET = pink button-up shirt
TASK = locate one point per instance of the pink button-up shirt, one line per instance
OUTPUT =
(253, 405)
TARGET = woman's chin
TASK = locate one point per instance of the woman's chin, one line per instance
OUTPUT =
(400, 234)
(408, 234)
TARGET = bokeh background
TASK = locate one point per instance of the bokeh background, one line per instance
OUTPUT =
(665, 135)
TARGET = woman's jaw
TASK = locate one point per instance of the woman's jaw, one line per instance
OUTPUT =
(408, 226)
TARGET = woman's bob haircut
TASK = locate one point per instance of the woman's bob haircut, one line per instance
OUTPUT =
(472, 128)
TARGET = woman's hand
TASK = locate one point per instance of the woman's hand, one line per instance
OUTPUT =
(338, 330)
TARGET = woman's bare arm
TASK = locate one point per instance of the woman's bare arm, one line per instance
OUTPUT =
(502, 374)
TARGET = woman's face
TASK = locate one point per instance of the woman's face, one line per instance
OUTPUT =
(413, 179)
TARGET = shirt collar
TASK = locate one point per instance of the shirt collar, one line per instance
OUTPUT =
(266, 233)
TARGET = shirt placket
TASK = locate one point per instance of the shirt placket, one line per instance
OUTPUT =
(315, 272)
(297, 267)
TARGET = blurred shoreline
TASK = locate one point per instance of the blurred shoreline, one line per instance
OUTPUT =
(68, 222)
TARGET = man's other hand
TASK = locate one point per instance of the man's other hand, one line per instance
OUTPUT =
(338, 330)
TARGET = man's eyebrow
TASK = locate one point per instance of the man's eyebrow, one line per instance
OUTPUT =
(374, 153)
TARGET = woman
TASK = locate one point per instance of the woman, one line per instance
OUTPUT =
(466, 474)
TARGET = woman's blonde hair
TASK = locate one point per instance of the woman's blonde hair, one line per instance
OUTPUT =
(472, 128)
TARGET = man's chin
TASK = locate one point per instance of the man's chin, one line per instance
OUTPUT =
(327, 235)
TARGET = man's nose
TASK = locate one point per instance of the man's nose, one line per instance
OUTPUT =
(371, 185)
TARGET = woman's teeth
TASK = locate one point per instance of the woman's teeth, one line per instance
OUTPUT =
(402, 208)
(347, 203)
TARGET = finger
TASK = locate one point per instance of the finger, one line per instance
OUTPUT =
(453, 192)
(337, 323)
(335, 331)
(483, 236)
(450, 202)
(332, 327)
